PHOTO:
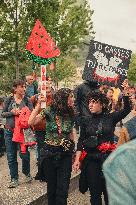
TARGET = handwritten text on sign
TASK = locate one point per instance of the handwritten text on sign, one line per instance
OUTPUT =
(106, 63)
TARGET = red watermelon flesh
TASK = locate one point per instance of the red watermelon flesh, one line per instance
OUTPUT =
(40, 42)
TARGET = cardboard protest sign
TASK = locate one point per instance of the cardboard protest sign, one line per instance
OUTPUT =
(106, 63)
(40, 47)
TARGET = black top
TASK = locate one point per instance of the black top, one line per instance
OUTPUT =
(89, 124)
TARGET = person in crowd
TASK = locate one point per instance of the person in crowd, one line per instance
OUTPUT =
(133, 100)
(117, 91)
(81, 93)
(109, 94)
(97, 140)
(81, 106)
(103, 89)
(40, 128)
(119, 130)
(56, 156)
(112, 106)
(31, 89)
(132, 91)
(120, 174)
(11, 109)
(108, 91)
(128, 131)
(2, 124)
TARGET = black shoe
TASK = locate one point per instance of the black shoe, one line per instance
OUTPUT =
(1, 154)
(39, 177)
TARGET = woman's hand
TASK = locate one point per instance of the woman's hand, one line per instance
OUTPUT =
(16, 111)
(77, 162)
(35, 118)
(41, 98)
(76, 165)
(125, 86)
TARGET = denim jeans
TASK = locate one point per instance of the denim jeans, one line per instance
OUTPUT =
(11, 149)
(2, 142)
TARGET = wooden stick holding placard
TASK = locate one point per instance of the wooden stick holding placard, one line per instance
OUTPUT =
(43, 84)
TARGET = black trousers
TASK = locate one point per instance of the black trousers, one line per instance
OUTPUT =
(40, 138)
(96, 182)
(58, 173)
(2, 141)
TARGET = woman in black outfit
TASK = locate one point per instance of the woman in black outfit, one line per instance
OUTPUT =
(97, 139)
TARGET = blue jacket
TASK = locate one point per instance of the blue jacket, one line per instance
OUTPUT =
(120, 173)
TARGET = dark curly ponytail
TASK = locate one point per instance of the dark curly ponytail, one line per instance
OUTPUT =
(60, 102)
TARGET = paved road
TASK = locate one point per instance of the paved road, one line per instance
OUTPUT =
(26, 193)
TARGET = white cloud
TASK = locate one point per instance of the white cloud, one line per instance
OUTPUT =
(115, 22)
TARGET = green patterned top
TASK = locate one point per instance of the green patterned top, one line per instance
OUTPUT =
(52, 136)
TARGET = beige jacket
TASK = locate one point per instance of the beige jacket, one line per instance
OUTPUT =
(124, 135)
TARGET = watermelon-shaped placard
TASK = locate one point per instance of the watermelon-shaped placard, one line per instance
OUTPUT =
(40, 46)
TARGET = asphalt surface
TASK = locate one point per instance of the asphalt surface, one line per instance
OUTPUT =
(24, 194)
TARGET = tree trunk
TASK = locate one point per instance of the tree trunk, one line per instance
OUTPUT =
(17, 62)
(16, 44)
(56, 78)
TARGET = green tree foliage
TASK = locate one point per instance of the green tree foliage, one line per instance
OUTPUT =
(67, 21)
(132, 69)
(65, 69)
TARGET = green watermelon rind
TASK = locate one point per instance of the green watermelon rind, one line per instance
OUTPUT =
(40, 60)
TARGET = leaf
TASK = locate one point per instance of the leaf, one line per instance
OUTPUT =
(67, 21)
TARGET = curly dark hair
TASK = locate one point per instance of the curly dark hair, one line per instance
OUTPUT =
(60, 102)
(100, 97)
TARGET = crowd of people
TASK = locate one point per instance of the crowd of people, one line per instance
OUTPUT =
(104, 118)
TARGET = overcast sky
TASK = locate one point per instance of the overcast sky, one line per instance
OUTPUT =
(115, 22)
